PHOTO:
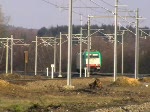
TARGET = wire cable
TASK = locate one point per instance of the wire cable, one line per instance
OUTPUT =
(107, 3)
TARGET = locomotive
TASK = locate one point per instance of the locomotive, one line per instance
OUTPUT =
(95, 61)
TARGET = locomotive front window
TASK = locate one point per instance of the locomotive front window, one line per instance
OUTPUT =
(91, 56)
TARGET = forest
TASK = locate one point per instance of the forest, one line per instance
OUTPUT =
(99, 41)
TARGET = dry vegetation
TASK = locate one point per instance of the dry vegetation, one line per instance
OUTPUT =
(18, 95)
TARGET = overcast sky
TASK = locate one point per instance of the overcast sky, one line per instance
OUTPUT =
(38, 13)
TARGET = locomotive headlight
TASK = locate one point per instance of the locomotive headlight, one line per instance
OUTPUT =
(98, 64)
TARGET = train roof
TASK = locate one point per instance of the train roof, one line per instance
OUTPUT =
(92, 52)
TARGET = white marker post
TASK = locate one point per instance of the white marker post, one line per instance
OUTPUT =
(85, 71)
(47, 71)
(52, 71)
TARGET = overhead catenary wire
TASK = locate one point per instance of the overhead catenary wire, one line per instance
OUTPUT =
(93, 9)
(131, 23)
(75, 12)
(107, 3)
(51, 3)
(65, 8)
(80, 12)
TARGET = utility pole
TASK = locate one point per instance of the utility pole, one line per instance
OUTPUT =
(36, 56)
(12, 43)
(45, 41)
(7, 46)
(7, 56)
(122, 70)
(115, 40)
(81, 48)
(11, 54)
(137, 45)
(88, 66)
(55, 54)
(60, 75)
(69, 44)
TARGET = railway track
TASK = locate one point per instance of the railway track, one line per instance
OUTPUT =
(64, 76)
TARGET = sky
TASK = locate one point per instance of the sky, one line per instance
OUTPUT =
(46, 13)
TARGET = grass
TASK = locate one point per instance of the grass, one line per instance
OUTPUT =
(13, 105)
(49, 95)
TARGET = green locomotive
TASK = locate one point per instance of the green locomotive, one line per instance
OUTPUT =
(95, 61)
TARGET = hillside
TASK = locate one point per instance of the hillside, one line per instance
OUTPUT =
(99, 42)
